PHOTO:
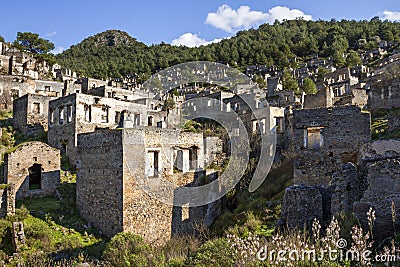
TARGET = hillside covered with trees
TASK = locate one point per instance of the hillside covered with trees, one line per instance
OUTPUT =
(116, 54)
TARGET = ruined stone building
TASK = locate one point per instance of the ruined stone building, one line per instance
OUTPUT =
(33, 169)
(13, 87)
(340, 81)
(379, 181)
(283, 98)
(31, 113)
(322, 99)
(113, 164)
(20, 63)
(384, 93)
(324, 139)
(63, 74)
(372, 182)
(80, 113)
(117, 93)
(325, 98)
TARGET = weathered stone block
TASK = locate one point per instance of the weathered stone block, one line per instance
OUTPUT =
(301, 205)
(346, 189)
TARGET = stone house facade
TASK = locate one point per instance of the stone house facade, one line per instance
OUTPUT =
(34, 170)
(14, 87)
(109, 194)
(80, 113)
(340, 81)
(324, 139)
(31, 113)
(385, 95)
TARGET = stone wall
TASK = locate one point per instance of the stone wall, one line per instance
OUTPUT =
(283, 98)
(384, 95)
(7, 200)
(372, 183)
(49, 88)
(116, 93)
(79, 113)
(212, 150)
(348, 188)
(34, 169)
(4, 63)
(300, 206)
(13, 87)
(325, 98)
(31, 114)
(359, 98)
(90, 83)
(112, 166)
(99, 183)
(322, 99)
(380, 165)
(394, 121)
(326, 138)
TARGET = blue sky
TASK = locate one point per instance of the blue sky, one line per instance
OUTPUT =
(178, 22)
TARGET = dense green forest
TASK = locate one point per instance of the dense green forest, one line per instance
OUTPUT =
(115, 53)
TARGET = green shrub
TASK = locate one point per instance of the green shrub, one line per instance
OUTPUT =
(214, 253)
(178, 262)
(6, 237)
(66, 164)
(127, 249)
(38, 234)
(20, 214)
(179, 247)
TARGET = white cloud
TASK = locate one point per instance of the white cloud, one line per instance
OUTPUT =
(58, 50)
(231, 20)
(390, 15)
(192, 40)
(281, 12)
(50, 34)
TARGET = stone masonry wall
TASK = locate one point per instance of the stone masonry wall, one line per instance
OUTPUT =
(64, 135)
(394, 121)
(385, 96)
(380, 165)
(99, 190)
(322, 99)
(7, 200)
(31, 114)
(112, 165)
(342, 131)
(20, 112)
(24, 157)
(347, 188)
(13, 87)
(300, 206)
(144, 214)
